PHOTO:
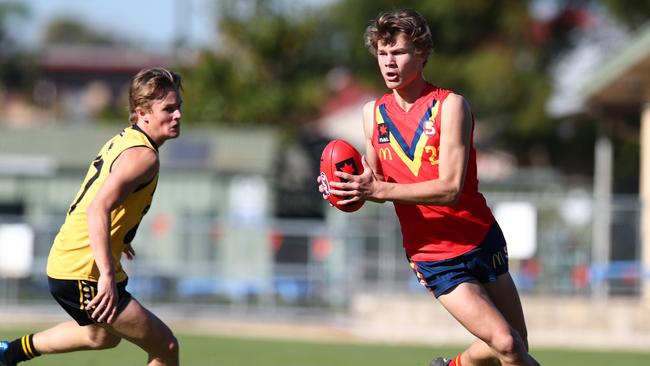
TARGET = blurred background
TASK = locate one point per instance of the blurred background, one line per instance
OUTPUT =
(238, 230)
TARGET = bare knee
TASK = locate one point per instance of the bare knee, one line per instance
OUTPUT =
(173, 347)
(509, 345)
(102, 339)
(168, 349)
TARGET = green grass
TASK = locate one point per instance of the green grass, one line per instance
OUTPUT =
(223, 351)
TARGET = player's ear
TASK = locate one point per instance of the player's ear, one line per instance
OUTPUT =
(141, 113)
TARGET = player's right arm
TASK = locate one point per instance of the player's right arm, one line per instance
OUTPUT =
(368, 127)
(372, 172)
(133, 167)
(371, 160)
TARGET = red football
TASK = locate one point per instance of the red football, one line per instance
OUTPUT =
(339, 155)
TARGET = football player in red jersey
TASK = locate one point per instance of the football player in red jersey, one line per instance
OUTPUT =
(420, 156)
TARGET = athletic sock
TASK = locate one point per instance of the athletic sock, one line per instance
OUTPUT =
(22, 349)
(456, 361)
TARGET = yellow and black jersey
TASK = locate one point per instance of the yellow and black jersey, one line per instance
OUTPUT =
(71, 256)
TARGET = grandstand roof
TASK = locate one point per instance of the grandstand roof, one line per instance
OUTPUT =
(623, 81)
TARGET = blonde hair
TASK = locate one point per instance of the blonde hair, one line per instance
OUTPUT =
(149, 85)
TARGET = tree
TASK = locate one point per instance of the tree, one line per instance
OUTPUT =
(269, 71)
(634, 13)
(7, 11)
(16, 67)
(71, 31)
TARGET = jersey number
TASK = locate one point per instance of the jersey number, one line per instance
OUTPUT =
(97, 163)
(429, 128)
(433, 154)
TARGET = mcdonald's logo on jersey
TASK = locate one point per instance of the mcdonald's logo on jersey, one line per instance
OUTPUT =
(410, 151)
(385, 153)
(383, 135)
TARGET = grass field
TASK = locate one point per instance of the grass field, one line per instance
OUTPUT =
(222, 351)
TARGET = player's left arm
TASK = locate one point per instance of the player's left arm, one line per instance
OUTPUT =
(456, 129)
(132, 168)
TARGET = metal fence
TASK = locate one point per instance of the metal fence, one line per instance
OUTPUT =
(321, 264)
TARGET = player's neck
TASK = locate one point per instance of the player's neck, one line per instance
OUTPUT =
(409, 94)
(144, 128)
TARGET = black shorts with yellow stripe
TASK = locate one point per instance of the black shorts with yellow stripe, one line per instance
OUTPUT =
(74, 295)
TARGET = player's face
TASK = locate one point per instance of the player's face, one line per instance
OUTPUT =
(165, 117)
(400, 63)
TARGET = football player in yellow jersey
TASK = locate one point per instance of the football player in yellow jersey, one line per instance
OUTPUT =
(84, 271)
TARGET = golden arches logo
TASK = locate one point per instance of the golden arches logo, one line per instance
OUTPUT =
(497, 258)
(385, 152)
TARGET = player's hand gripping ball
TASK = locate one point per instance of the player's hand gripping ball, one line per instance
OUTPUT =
(339, 155)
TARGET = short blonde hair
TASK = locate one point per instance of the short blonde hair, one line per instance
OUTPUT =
(149, 85)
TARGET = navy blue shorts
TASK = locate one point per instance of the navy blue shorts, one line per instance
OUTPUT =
(74, 295)
(482, 264)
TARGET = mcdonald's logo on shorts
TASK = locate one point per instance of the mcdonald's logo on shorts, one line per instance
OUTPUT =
(385, 154)
(497, 260)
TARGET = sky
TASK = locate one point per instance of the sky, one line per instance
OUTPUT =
(153, 24)
(148, 23)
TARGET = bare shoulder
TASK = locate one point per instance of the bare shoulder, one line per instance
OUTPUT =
(142, 155)
(368, 107)
(456, 105)
(137, 162)
(368, 121)
(455, 102)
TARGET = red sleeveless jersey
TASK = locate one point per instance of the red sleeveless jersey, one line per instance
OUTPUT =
(408, 148)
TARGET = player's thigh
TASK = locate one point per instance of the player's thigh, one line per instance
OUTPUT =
(504, 295)
(471, 305)
(142, 327)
